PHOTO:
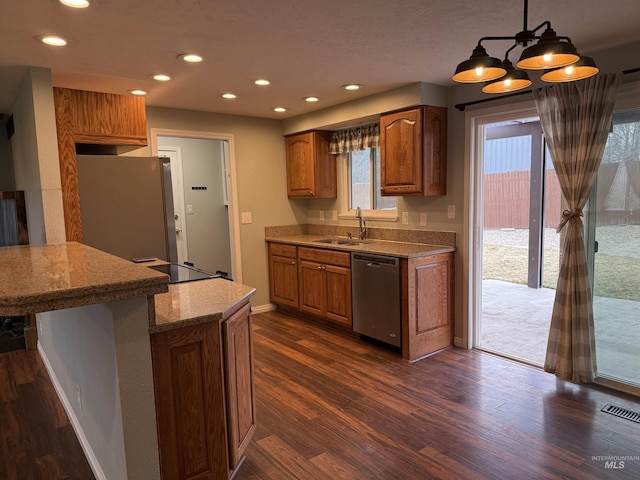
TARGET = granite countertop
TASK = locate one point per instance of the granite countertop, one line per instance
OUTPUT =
(380, 247)
(43, 278)
(191, 303)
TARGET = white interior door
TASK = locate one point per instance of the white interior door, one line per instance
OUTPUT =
(175, 156)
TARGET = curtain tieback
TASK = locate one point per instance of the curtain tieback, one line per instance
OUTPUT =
(568, 215)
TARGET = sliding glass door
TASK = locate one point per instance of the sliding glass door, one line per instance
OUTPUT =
(520, 210)
(613, 246)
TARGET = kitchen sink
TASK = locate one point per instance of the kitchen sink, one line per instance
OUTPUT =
(341, 241)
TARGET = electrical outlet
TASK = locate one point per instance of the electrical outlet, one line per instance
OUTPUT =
(405, 218)
(321, 214)
(79, 396)
(246, 217)
(451, 211)
(334, 215)
(423, 219)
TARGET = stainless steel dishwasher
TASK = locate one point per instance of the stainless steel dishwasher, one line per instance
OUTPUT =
(375, 288)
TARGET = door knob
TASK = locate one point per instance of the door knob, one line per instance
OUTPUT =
(178, 231)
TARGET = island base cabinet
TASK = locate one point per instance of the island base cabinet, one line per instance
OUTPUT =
(427, 305)
(239, 382)
(204, 397)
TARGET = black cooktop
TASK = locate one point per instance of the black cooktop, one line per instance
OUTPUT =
(182, 273)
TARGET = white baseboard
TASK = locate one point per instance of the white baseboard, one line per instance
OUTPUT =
(459, 342)
(269, 307)
(75, 423)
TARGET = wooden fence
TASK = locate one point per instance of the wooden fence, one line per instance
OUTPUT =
(506, 200)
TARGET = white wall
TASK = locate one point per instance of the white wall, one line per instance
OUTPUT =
(35, 157)
(79, 346)
(99, 359)
(207, 228)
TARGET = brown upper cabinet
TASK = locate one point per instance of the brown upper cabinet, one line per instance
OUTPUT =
(102, 118)
(311, 170)
(92, 118)
(413, 152)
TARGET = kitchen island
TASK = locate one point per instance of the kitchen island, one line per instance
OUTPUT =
(96, 323)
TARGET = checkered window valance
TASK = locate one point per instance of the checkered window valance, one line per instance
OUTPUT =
(352, 139)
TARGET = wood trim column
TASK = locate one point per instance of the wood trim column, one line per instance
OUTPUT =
(65, 125)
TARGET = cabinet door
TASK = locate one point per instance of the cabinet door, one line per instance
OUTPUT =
(107, 118)
(239, 381)
(283, 280)
(313, 290)
(435, 150)
(300, 165)
(338, 281)
(190, 406)
(401, 153)
(429, 304)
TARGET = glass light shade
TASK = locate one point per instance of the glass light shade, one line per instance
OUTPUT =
(583, 68)
(512, 81)
(549, 52)
(479, 68)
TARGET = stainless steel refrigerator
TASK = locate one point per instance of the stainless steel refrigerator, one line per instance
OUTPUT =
(126, 205)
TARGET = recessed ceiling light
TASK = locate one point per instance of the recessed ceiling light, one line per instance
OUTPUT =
(352, 86)
(161, 77)
(279, 109)
(75, 3)
(190, 57)
(311, 99)
(229, 95)
(53, 40)
(262, 82)
(139, 93)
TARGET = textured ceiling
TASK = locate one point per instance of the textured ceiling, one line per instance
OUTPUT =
(304, 47)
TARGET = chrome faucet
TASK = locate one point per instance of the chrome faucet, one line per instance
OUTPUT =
(362, 226)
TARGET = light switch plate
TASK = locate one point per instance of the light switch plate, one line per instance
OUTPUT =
(423, 219)
(246, 217)
(189, 209)
(451, 211)
(405, 218)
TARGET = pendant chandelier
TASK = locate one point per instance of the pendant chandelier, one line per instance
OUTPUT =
(552, 53)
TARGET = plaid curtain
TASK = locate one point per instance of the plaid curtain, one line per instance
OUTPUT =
(575, 119)
(345, 141)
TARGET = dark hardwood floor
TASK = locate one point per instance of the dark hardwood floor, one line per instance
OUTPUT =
(334, 407)
(36, 439)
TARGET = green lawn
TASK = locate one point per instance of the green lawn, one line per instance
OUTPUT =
(616, 276)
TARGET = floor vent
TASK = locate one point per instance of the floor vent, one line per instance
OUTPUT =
(622, 412)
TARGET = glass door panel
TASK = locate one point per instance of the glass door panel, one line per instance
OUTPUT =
(516, 306)
(614, 218)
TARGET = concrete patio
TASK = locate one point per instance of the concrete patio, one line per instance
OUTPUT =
(515, 323)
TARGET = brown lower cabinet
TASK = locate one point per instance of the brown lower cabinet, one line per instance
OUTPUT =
(324, 278)
(203, 381)
(427, 304)
(323, 291)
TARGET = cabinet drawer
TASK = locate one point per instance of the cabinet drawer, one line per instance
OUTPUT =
(321, 255)
(283, 250)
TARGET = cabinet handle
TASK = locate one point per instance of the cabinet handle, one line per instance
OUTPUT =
(319, 267)
(293, 262)
(382, 189)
